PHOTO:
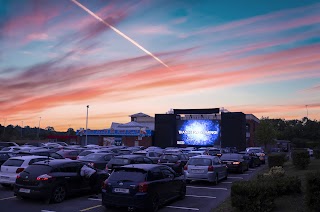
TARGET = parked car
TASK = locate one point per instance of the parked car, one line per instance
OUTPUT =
(205, 167)
(195, 153)
(16, 148)
(142, 186)
(235, 162)
(4, 156)
(14, 165)
(68, 153)
(98, 160)
(7, 144)
(259, 152)
(122, 160)
(214, 152)
(88, 152)
(154, 156)
(41, 152)
(175, 161)
(53, 180)
(251, 158)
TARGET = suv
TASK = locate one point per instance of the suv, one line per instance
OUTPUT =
(53, 180)
(142, 186)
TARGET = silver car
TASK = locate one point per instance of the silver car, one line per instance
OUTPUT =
(205, 168)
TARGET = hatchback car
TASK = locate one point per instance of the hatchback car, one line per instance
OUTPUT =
(142, 186)
(235, 162)
(122, 160)
(205, 168)
(175, 161)
(98, 160)
(14, 165)
(53, 180)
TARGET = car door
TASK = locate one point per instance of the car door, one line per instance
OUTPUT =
(158, 184)
(169, 183)
(72, 178)
(221, 168)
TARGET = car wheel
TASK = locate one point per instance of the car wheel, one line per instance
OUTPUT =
(215, 182)
(58, 194)
(182, 193)
(155, 203)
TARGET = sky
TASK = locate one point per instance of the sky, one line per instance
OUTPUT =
(125, 57)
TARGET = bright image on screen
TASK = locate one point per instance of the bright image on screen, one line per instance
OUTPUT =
(202, 132)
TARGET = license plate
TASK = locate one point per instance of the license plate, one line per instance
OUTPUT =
(121, 190)
(24, 190)
(197, 171)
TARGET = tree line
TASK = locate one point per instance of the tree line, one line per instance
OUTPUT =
(304, 133)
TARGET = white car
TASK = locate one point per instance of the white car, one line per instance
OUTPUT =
(196, 153)
(90, 151)
(14, 165)
(15, 148)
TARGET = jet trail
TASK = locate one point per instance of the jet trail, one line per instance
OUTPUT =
(120, 33)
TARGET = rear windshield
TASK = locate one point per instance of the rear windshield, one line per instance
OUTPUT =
(13, 162)
(128, 175)
(85, 153)
(231, 157)
(140, 153)
(119, 161)
(200, 161)
(37, 169)
(170, 157)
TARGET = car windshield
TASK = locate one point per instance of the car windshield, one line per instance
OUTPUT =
(200, 161)
(119, 161)
(85, 153)
(128, 175)
(93, 157)
(13, 162)
(230, 157)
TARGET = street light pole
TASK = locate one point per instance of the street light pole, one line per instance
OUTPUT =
(86, 142)
(39, 129)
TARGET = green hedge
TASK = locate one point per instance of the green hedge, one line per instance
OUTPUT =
(285, 185)
(276, 159)
(316, 153)
(253, 196)
(300, 158)
(313, 191)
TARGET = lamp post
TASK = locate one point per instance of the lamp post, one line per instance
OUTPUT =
(39, 129)
(86, 142)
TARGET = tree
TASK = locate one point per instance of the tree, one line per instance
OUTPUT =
(265, 133)
(71, 131)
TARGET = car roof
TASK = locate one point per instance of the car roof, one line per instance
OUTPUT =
(28, 157)
(145, 167)
(204, 156)
(128, 156)
(57, 162)
(196, 151)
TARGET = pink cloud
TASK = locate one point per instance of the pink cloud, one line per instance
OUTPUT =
(37, 37)
(153, 30)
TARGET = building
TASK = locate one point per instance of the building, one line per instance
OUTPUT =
(137, 132)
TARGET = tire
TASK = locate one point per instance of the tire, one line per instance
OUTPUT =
(182, 193)
(215, 182)
(154, 203)
(59, 193)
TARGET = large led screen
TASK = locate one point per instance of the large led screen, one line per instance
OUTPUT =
(203, 132)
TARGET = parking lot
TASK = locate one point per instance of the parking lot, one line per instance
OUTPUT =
(201, 196)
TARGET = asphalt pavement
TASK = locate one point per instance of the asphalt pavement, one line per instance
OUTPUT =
(201, 196)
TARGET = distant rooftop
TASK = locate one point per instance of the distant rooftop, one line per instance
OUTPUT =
(139, 115)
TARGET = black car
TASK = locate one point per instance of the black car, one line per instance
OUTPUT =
(97, 160)
(235, 162)
(142, 186)
(53, 180)
(4, 156)
(251, 158)
(175, 161)
(7, 144)
(122, 160)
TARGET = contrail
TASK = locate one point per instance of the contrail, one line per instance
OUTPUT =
(120, 33)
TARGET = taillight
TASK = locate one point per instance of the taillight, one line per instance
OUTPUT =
(185, 167)
(18, 176)
(19, 170)
(236, 163)
(44, 177)
(143, 187)
(210, 168)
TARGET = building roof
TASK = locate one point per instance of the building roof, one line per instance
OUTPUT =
(140, 115)
(131, 124)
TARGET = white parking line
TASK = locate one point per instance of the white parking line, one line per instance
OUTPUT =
(207, 188)
(235, 177)
(226, 182)
(210, 197)
(47, 211)
(8, 198)
(94, 199)
(183, 208)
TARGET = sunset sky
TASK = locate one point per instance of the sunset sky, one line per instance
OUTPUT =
(257, 57)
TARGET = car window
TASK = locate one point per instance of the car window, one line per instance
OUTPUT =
(152, 154)
(92, 157)
(155, 174)
(147, 160)
(119, 161)
(37, 170)
(200, 161)
(85, 153)
(13, 162)
(170, 157)
(73, 153)
(36, 160)
(139, 160)
(70, 168)
(128, 175)
(107, 157)
(216, 161)
(167, 173)
(55, 155)
(6, 149)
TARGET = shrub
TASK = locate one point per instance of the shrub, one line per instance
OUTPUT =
(316, 153)
(300, 159)
(253, 196)
(313, 191)
(276, 159)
